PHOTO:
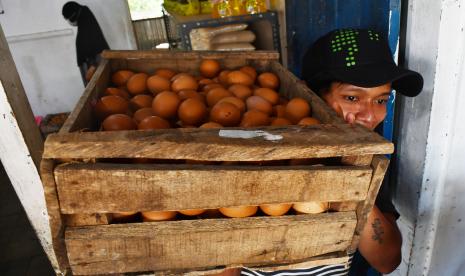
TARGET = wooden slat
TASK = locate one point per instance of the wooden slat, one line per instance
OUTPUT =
(86, 219)
(181, 55)
(53, 208)
(380, 164)
(360, 160)
(206, 243)
(292, 142)
(81, 118)
(99, 188)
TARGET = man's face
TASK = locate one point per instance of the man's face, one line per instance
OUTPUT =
(364, 106)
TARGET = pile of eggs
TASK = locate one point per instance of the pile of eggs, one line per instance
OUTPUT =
(218, 98)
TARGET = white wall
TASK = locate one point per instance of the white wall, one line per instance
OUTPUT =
(43, 47)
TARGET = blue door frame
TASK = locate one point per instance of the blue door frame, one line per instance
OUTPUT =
(309, 19)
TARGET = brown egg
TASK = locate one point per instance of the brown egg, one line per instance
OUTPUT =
(275, 209)
(142, 113)
(297, 109)
(121, 77)
(192, 212)
(249, 70)
(268, 80)
(308, 121)
(157, 84)
(280, 122)
(204, 82)
(211, 86)
(123, 217)
(241, 91)
(239, 211)
(186, 94)
(239, 77)
(117, 122)
(165, 73)
(209, 68)
(111, 91)
(267, 94)
(223, 77)
(216, 94)
(226, 114)
(108, 105)
(177, 76)
(184, 83)
(260, 104)
(211, 125)
(311, 207)
(166, 104)
(235, 101)
(192, 112)
(158, 215)
(137, 84)
(279, 111)
(153, 122)
(255, 118)
(140, 101)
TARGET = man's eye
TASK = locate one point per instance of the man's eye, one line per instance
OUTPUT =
(382, 101)
(351, 98)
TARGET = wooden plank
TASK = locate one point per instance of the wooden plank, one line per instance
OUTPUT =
(359, 160)
(206, 243)
(86, 219)
(81, 118)
(292, 142)
(380, 164)
(185, 55)
(55, 218)
(101, 188)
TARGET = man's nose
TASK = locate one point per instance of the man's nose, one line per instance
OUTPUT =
(366, 113)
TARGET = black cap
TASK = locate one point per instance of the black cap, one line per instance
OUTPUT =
(358, 57)
(70, 10)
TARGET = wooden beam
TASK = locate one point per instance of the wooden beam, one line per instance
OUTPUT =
(101, 188)
(194, 244)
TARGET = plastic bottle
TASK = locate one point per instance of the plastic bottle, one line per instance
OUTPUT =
(255, 6)
(222, 8)
(238, 7)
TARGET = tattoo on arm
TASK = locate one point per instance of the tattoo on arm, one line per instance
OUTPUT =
(378, 231)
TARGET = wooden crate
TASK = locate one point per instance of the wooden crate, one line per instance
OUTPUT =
(81, 190)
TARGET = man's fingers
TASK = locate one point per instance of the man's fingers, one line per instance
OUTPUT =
(350, 118)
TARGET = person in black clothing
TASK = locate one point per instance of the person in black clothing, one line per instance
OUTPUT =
(90, 41)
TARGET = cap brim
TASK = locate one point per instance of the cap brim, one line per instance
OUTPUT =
(406, 82)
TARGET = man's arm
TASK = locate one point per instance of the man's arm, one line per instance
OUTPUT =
(380, 242)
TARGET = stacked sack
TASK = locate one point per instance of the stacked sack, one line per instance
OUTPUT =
(233, 37)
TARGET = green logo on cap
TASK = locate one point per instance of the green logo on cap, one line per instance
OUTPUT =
(346, 39)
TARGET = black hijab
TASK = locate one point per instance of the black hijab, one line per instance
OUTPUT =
(90, 40)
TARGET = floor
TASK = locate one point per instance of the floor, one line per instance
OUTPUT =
(20, 250)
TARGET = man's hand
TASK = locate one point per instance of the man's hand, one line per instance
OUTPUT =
(90, 72)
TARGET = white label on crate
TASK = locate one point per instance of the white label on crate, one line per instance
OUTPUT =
(247, 134)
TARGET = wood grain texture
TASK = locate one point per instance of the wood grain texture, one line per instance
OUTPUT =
(100, 188)
(207, 144)
(206, 243)
(186, 55)
(56, 221)
(360, 160)
(380, 164)
(86, 219)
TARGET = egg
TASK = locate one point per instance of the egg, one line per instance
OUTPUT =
(158, 215)
(239, 77)
(254, 118)
(225, 114)
(123, 217)
(211, 125)
(153, 122)
(192, 212)
(140, 101)
(297, 109)
(268, 80)
(157, 84)
(280, 122)
(118, 122)
(239, 211)
(223, 77)
(260, 104)
(142, 113)
(267, 94)
(177, 76)
(111, 91)
(165, 73)
(184, 83)
(235, 101)
(121, 77)
(108, 105)
(166, 104)
(312, 207)
(211, 86)
(216, 94)
(137, 84)
(186, 94)
(204, 82)
(249, 70)
(240, 91)
(276, 209)
(209, 68)
(308, 121)
(192, 111)
(279, 111)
